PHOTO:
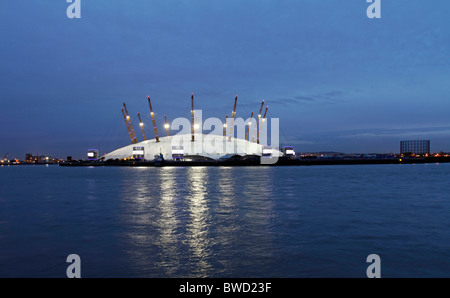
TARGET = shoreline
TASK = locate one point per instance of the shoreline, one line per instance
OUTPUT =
(256, 162)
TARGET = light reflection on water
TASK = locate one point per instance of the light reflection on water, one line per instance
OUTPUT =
(197, 228)
(226, 215)
(167, 224)
(140, 203)
(198, 221)
(226, 222)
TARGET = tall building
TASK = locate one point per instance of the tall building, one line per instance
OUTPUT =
(415, 147)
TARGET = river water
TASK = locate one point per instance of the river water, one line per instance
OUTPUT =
(316, 221)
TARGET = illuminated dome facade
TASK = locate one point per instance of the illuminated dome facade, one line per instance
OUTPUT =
(180, 147)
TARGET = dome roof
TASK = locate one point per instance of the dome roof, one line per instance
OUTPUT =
(210, 146)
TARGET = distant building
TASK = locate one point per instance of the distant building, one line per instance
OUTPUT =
(93, 154)
(415, 147)
(40, 159)
(288, 151)
(29, 157)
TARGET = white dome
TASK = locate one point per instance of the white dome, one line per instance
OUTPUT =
(211, 146)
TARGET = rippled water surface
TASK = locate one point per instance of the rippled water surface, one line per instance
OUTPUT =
(318, 221)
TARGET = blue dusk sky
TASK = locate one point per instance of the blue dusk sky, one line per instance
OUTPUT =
(337, 80)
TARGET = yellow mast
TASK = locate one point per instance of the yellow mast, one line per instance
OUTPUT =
(255, 130)
(225, 126)
(233, 115)
(248, 127)
(166, 125)
(141, 124)
(192, 117)
(262, 123)
(130, 124)
(128, 127)
(155, 129)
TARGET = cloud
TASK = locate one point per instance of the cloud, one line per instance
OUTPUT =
(304, 98)
(406, 132)
(329, 97)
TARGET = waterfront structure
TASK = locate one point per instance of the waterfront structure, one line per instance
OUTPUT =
(93, 154)
(181, 147)
(288, 151)
(29, 158)
(417, 147)
(40, 159)
(194, 146)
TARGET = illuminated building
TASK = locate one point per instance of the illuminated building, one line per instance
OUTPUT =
(418, 147)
